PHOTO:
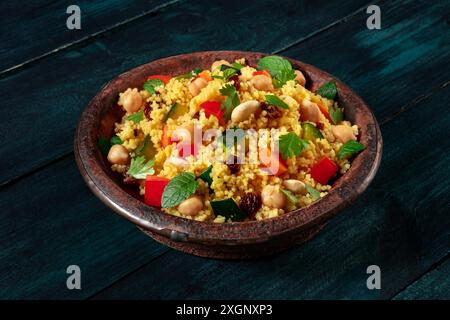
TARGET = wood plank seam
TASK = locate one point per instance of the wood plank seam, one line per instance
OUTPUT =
(430, 269)
(63, 47)
(92, 296)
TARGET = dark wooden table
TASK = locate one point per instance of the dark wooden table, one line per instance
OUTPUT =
(50, 220)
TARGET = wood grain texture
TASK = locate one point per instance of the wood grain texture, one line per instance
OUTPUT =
(58, 87)
(433, 285)
(51, 220)
(38, 27)
(401, 224)
(388, 67)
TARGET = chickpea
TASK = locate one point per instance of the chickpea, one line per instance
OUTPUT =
(217, 64)
(131, 100)
(289, 100)
(185, 133)
(118, 154)
(262, 83)
(243, 111)
(300, 77)
(309, 111)
(272, 197)
(191, 206)
(343, 133)
(196, 86)
(296, 186)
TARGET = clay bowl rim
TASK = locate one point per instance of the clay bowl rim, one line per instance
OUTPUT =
(345, 190)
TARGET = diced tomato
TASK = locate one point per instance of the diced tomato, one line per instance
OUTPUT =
(163, 78)
(154, 188)
(205, 75)
(262, 72)
(213, 108)
(325, 112)
(165, 139)
(273, 162)
(185, 150)
(324, 170)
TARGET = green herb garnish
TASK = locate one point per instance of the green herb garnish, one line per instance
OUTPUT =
(291, 145)
(313, 192)
(116, 140)
(289, 195)
(151, 84)
(336, 114)
(350, 148)
(104, 145)
(228, 209)
(271, 99)
(139, 169)
(232, 100)
(279, 68)
(328, 90)
(237, 66)
(205, 175)
(228, 73)
(217, 77)
(136, 117)
(181, 187)
(190, 74)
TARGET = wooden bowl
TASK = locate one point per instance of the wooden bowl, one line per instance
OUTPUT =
(235, 240)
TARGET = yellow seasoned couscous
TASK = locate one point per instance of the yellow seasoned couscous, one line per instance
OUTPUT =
(232, 143)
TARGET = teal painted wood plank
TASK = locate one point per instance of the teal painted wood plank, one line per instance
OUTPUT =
(50, 220)
(388, 67)
(400, 224)
(58, 88)
(433, 285)
(39, 27)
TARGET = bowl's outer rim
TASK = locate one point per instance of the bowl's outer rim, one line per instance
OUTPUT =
(235, 233)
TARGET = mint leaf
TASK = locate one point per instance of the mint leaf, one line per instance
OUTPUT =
(116, 140)
(136, 117)
(228, 73)
(328, 90)
(291, 145)
(151, 84)
(313, 192)
(279, 68)
(289, 195)
(336, 114)
(231, 102)
(228, 209)
(350, 148)
(181, 187)
(139, 169)
(271, 99)
(205, 175)
(104, 145)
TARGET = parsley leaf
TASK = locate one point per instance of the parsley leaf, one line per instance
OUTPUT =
(237, 66)
(328, 90)
(205, 175)
(232, 100)
(313, 192)
(336, 114)
(139, 169)
(271, 99)
(279, 68)
(350, 148)
(289, 195)
(104, 145)
(181, 187)
(136, 117)
(190, 74)
(291, 145)
(115, 140)
(228, 73)
(151, 84)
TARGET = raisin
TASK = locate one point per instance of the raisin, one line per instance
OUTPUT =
(236, 83)
(147, 111)
(233, 165)
(273, 112)
(250, 203)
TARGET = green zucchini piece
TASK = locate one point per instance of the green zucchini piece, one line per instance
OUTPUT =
(228, 209)
(311, 132)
